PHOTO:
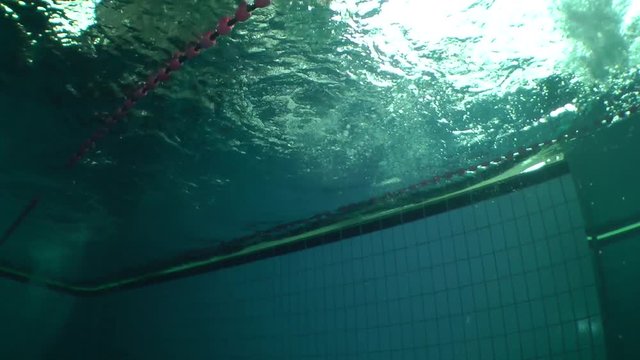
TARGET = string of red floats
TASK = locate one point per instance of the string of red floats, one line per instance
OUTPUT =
(207, 40)
(224, 27)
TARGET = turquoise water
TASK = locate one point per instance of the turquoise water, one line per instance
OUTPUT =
(309, 106)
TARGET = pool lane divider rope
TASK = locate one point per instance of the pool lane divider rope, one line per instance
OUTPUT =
(178, 59)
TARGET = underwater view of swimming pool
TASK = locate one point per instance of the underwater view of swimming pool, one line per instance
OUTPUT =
(146, 142)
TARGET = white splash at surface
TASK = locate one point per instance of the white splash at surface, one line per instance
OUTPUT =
(480, 45)
(76, 16)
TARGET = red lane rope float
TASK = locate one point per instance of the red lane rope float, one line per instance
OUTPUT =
(224, 27)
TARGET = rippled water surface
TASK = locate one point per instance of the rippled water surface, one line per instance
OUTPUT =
(308, 106)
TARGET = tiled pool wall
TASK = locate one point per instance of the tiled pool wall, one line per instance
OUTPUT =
(506, 278)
